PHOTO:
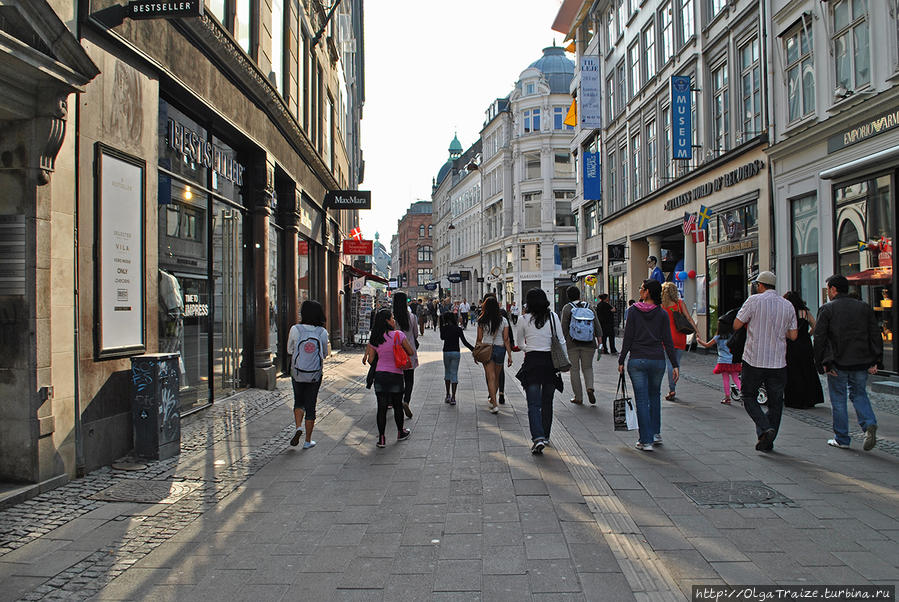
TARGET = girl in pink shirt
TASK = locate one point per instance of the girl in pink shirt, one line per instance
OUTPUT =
(388, 376)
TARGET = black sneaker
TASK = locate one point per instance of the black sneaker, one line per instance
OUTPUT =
(296, 437)
(382, 441)
(537, 447)
(766, 441)
(502, 398)
(403, 435)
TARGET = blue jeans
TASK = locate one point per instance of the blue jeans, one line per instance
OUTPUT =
(451, 366)
(855, 381)
(670, 368)
(646, 380)
(775, 380)
(540, 409)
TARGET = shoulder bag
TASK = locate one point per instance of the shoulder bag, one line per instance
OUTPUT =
(400, 357)
(681, 323)
(557, 348)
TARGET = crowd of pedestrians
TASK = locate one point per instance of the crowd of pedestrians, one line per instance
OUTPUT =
(771, 344)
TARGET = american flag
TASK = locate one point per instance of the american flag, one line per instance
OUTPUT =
(356, 233)
(689, 223)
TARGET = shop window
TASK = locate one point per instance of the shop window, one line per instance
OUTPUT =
(850, 43)
(804, 251)
(800, 68)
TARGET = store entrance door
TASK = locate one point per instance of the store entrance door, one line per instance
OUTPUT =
(227, 238)
(732, 283)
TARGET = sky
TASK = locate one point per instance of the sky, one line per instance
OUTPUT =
(431, 69)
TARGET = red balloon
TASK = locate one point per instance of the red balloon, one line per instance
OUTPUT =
(692, 273)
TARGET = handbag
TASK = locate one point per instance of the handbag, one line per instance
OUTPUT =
(400, 357)
(681, 323)
(557, 382)
(623, 409)
(557, 349)
(482, 352)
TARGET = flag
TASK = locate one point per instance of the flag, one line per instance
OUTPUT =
(698, 235)
(571, 48)
(571, 118)
(705, 213)
(689, 223)
(356, 233)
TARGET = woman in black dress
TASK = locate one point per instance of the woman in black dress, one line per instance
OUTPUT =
(803, 388)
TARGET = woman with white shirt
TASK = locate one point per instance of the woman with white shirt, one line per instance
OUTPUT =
(537, 373)
(494, 329)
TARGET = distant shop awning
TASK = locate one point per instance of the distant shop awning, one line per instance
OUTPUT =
(873, 276)
(867, 162)
(589, 272)
(362, 273)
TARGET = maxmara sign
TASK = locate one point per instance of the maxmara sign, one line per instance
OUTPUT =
(731, 178)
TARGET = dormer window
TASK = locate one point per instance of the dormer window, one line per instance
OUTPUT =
(529, 89)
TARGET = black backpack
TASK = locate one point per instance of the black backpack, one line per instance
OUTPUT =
(737, 340)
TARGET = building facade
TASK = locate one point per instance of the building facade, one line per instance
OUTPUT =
(192, 218)
(415, 250)
(835, 150)
(518, 230)
(718, 47)
(380, 261)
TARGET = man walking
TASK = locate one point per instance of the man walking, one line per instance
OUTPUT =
(770, 320)
(464, 308)
(582, 336)
(848, 347)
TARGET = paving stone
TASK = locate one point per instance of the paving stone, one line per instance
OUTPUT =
(505, 588)
(606, 587)
(461, 546)
(458, 576)
(550, 576)
(415, 560)
(504, 560)
(545, 546)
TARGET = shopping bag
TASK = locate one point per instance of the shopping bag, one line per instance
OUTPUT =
(623, 409)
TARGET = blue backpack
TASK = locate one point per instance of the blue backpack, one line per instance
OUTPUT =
(581, 327)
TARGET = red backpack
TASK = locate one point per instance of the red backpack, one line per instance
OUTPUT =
(400, 357)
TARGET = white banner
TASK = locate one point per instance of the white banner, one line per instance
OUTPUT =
(358, 283)
(121, 266)
(589, 100)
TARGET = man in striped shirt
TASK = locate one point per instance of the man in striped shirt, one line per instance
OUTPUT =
(770, 320)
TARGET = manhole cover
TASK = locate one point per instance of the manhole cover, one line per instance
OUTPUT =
(747, 494)
(145, 491)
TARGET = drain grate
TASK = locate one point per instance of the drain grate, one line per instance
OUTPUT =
(146, 491)
(734, 494)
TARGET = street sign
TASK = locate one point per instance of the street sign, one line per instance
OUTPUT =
(348, 199)
(358, 247)
(164, 9)
(392, 283)
(480, 280)
(431, 286)
(466, 275)
(454, 278)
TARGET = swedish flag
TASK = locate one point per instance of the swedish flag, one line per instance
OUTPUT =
(862, 245)
(705, 214)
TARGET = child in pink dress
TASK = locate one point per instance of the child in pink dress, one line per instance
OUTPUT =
(725, 366)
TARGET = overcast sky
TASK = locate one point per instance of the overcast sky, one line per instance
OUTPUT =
(432, 69)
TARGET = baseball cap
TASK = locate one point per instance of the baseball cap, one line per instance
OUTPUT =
(767, 278)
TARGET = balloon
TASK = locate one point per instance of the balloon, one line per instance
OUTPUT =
(691, 274)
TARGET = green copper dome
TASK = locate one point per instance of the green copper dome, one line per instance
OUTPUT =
(455, 146)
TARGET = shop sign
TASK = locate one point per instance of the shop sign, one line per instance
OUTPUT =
(358, 247)
(480, 280)
(156, 9)
(303, 247)
(348, 199)
(681, 117)
(616, 269)
(527, 239)
(863, 131)
(466, 275)
(454, 278)
(732, 247)
(591, 116)
(491, 278)
(431, 286)
(190, 145)
(393, 283)
(731, 178)
(592, 177)
(193, 308)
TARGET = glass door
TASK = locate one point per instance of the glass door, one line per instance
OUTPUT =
(227, 271)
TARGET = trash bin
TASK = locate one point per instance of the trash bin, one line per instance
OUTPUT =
(155, 380)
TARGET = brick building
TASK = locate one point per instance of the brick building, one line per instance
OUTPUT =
(416, 250)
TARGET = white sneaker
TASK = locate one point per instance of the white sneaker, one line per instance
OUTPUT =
(644, 446)
(657, 440)
(835, 443)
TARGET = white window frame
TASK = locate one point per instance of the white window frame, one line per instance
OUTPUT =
(633, 64)
(687, 20)
(802, 63)
(750, 123)
(850, 31)
(720, 108)
(666, 32)
(637, 166)
(649, 50)
(651, 146)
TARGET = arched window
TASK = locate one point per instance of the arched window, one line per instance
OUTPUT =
(421, 231)
(430, 229)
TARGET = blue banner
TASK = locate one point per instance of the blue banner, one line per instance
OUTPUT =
(592, 177)
(681, 118)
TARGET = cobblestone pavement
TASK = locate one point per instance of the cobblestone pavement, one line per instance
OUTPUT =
(463, 511)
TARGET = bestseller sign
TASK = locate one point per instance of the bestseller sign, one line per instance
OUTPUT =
(348, 199)
(164, 9)
(358, 247)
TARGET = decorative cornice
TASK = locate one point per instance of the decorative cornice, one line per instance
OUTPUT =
(50, 131)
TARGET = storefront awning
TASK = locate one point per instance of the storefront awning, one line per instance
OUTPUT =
(362, 273)
(873, 276)
(588, 272)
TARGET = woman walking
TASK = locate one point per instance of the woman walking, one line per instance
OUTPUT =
(537, 374)
(451, 333)
(605, 314)
(382, 348)
(308, 346)
(672, 303)
(494, 330)
(803, 388)
(647, 338)
(407, 323)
